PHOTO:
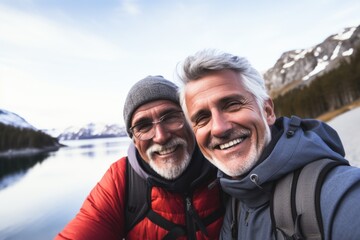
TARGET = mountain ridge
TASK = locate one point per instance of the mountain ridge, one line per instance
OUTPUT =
(13, 119)
(293, 70)
(300, 67)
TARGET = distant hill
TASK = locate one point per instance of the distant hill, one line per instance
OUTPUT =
(88, 131)
(12, 119)
(313, 81)
(18, 137)
(92, 130)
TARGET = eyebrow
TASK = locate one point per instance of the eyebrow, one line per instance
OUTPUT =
(197, 114)
(141, 120)
(220, 102)
(237, 96)
(162, 113)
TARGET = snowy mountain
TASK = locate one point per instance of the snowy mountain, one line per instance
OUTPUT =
(301, 66)
(92, 130)
(9, 118)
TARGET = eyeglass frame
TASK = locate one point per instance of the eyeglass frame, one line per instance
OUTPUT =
(154, 123)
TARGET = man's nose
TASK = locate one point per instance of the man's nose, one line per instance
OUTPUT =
(161, 135)
(220, 124)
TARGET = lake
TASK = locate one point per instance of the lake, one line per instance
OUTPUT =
(40, 195)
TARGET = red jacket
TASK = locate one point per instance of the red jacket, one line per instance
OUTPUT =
(102, 215)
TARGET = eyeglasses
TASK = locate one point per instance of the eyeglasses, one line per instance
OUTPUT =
(171, 122)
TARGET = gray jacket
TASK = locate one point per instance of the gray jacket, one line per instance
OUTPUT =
(340, 193)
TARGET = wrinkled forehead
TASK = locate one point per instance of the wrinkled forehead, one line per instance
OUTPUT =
(212, 87)
(155, 108)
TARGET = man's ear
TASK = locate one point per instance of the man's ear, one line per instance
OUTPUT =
(269, 112)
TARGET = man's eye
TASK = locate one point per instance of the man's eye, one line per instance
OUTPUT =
(233, 106)
(201, 121)
(144, 127)
(169, 118)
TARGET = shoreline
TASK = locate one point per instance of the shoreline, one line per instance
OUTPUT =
(28, 152)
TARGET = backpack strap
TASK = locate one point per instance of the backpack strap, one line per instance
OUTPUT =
(281, 206)
(136, 204)
(295, 206)
(138, 207)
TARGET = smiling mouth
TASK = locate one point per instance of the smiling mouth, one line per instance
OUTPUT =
(165, 151)
(231, 143)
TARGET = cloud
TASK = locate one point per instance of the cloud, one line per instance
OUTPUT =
(131, 7)
(35, 33)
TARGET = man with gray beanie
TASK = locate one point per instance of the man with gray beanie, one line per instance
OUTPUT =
(164, 188)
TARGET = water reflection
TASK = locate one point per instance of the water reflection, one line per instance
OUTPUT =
(88, 146)
(12, 169)
(45, 192)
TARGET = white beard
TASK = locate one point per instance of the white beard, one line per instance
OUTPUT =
(241, 165)
(170, 168)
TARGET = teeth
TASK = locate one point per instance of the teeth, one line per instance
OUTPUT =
(167, 151)
(230, 144)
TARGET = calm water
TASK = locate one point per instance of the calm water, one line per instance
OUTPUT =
(38, 196)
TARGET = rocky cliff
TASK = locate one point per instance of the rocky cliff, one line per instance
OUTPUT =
(302, 66)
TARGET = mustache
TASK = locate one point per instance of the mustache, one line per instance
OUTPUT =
(172, 143)
(214, 141)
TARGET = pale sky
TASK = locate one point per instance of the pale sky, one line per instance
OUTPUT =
(72, 62)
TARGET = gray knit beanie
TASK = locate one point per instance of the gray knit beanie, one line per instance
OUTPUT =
(147, 90)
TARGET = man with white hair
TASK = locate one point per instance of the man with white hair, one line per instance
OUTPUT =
(226, 103)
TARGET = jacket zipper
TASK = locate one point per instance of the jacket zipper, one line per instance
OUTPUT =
(194, 218)
(190, 225)
(247, 216)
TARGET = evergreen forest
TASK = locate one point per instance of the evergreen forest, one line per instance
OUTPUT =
(19, 138)
(331, 91)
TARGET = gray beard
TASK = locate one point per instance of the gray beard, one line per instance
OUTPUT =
(171, 169)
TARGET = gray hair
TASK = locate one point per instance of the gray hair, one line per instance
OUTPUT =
(210, 60)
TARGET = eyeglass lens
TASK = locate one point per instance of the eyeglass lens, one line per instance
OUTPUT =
(171, 122)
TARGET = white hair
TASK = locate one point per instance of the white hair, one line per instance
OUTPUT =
(210, 60)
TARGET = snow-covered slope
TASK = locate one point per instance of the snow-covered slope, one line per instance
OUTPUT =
(92, 130)
(10, 118)
(348, 127)
(301, 66)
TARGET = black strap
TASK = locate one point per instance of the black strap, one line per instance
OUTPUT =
(175, 230)
(212, 217)
(175, 233)
(136, 204)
